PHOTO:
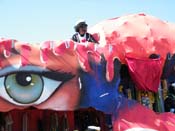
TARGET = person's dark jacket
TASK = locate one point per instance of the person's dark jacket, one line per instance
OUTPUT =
(89, 38)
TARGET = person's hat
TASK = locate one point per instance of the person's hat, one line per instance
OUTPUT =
(80, 23)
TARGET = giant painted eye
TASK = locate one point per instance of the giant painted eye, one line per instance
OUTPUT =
(29, 85)
(24, 87)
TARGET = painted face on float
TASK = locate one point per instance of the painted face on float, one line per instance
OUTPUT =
(34, 75)
(47, 76)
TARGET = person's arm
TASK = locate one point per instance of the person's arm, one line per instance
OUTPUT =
(74, 38)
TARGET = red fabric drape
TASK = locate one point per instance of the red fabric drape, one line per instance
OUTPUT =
(145, 72)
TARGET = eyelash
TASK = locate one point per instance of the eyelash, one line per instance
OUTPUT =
(54, 75)
(48, 74)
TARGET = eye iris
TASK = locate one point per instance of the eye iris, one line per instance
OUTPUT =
(23, 79)
(23, 87)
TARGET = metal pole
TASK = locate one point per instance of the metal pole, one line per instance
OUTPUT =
(160, 94)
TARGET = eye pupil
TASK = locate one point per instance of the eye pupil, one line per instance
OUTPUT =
(23, 79)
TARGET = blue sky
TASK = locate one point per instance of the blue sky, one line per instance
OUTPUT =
(41, 20)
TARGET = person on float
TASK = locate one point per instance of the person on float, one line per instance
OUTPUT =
(81, 35)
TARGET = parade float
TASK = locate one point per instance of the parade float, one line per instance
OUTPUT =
(127, 76)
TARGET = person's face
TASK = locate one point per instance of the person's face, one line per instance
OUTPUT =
(83, 29)
(52, 84)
